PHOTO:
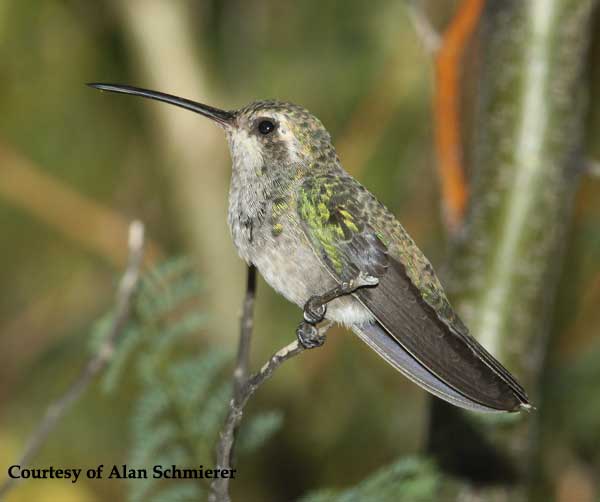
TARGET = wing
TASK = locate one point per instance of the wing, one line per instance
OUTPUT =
(339, 234)
(351, 232)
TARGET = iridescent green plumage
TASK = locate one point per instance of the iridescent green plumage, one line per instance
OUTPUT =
(336, 209)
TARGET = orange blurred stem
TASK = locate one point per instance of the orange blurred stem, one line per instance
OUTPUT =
(447, 111)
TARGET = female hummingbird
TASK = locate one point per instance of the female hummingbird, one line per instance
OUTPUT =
(324, 242)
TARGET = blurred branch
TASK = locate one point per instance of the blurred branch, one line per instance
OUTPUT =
(359, 138)
(449, 51)
(245, 387)
(447, 103)
(593, 167)
(51, 315)
(81, 219)
(425, 30)
(356, 144)
(505, 268)
(162, 38)
(86, 222)
(57, 410)
(361, 134)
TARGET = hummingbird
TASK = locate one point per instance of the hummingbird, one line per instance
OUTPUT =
(323, 241)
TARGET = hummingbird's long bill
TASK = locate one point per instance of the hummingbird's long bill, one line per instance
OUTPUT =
(223, 117)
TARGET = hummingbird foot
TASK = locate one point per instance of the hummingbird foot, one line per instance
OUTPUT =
(309, 336)
(316, 306)
(314, 310)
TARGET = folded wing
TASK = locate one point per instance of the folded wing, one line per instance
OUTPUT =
(416, 330)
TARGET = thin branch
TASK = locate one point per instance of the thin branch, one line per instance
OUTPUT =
(240, 374)
(245, 387)
(57, 410)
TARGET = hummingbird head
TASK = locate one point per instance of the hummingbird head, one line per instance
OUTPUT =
(263, 135)
(274, 134)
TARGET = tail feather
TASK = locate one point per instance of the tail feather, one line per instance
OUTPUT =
(389, 349)
(442, 353)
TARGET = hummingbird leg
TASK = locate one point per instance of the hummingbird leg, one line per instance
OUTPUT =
(316, 308)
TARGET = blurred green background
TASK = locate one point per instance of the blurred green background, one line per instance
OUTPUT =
(76, 165)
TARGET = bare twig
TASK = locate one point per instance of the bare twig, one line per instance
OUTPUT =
(245, 387)
(240, 374)
(220, 486)
(57, 410)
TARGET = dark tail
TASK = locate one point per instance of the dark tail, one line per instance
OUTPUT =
(376, 337)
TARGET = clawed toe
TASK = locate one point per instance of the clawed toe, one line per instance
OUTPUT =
(365, 279)
(309, 336)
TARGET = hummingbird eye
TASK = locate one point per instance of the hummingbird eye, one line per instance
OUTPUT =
(266, 127)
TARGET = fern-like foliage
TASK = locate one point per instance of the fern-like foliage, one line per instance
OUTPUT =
(184, 394)
(184, 391)
(407, 480)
